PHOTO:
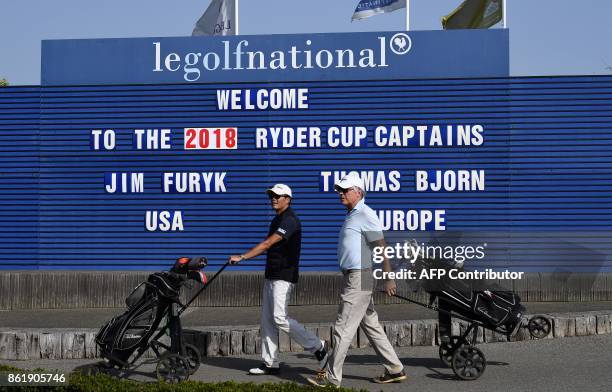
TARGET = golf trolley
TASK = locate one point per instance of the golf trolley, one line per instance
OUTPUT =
(460, 352)
(125, 339)
(491, 308)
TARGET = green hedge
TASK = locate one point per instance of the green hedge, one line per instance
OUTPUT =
(105, 383)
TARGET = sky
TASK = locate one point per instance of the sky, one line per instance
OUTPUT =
(547, 37)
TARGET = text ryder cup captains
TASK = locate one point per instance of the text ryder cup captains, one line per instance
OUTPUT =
(238, 58)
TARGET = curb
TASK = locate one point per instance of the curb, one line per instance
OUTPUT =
(29, 344)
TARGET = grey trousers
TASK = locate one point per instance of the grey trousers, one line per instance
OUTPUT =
(357, 308)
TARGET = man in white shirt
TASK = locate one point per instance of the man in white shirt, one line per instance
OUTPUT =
(361, 230)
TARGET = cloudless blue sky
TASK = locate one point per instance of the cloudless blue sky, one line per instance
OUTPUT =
(547, 37)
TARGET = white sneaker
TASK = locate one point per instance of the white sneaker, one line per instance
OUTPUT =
(263, 370)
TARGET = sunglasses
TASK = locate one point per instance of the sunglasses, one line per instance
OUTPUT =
(276, 197)
(344, 191)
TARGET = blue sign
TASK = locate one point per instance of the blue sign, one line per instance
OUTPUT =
(149, 148)
(304, 57)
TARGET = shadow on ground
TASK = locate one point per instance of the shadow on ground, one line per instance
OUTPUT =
(145, 371)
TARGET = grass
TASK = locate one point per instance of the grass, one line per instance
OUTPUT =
(78, 382)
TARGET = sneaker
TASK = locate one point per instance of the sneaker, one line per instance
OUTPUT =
(321, 380)
(322, 354)
(264, 370)
(388, 377)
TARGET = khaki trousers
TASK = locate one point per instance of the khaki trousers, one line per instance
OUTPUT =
(357, 308)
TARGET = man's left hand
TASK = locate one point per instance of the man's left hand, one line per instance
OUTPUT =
(390, 287)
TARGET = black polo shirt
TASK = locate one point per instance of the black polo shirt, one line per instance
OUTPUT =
(283, 258)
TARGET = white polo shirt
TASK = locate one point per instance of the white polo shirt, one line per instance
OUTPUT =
(361, 227)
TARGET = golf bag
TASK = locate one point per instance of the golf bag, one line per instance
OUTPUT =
(150, 303)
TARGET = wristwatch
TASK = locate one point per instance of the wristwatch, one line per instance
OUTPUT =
(242, 258)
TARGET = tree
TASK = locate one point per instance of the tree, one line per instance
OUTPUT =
(4, 83)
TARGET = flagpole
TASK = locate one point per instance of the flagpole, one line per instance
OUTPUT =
(407, 15)
(504, 12)
(236, 16)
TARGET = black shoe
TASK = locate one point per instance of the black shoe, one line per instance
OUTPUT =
(388, 377)
(264, 370)
(322, 354)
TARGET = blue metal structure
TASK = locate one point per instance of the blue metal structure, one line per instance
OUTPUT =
(546, 158)
(277, 58)
(19, 176)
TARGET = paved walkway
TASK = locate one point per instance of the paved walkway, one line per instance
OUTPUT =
(549, 365)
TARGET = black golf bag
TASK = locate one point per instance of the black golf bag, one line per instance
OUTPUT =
(495, 308)
(125, 338)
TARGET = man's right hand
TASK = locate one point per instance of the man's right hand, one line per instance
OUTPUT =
(235, 259)
(390, 287)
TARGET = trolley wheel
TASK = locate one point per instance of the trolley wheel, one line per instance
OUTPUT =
(539, 327)
(468, 363)
(193, 357)
(447, 349)
(172, 369)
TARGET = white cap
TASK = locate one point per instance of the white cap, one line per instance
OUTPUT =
(280, 189)
(348, 181)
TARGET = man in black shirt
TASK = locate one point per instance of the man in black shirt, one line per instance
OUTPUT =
(282, 264)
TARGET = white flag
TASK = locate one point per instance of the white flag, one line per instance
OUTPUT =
(367, 8)
(218, 19)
